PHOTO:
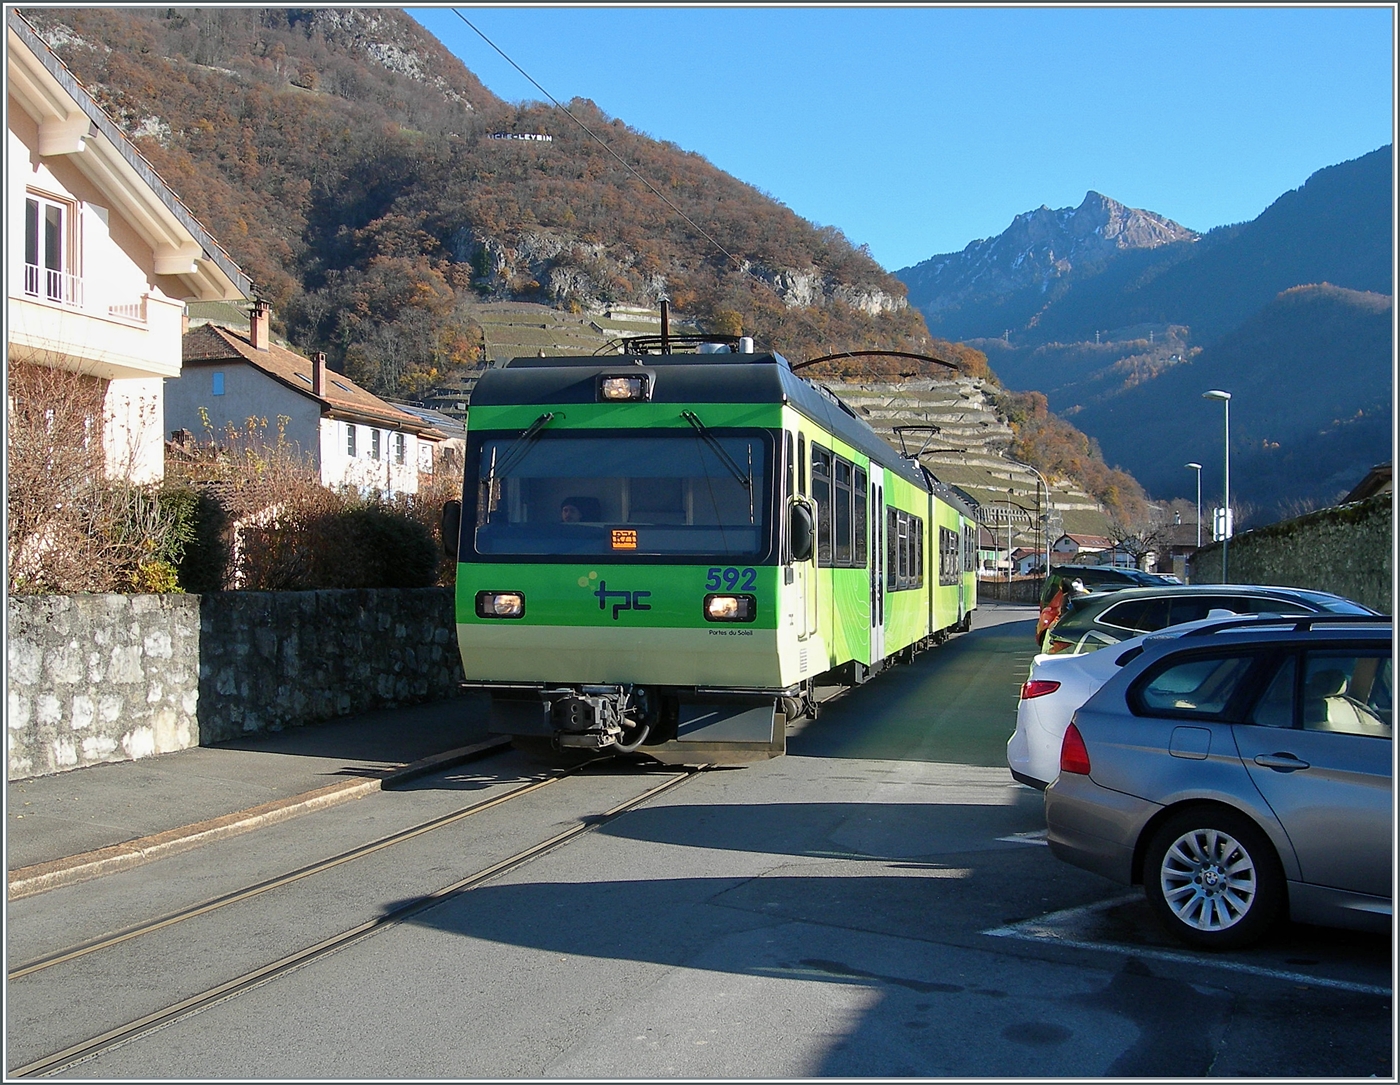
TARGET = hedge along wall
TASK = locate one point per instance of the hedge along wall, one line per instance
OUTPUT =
(1346, 549)
(96, 678)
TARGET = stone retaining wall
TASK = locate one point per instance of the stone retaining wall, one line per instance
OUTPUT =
(1346, 549)
(1020, 590)
(96, 678)
(100, 678)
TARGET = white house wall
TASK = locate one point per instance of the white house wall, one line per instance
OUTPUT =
(363, 471)
(132, 438)
(248, 393)
(117, 322)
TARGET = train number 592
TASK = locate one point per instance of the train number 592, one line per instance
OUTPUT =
(734, 579)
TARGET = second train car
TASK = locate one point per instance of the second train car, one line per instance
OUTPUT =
(670, 552)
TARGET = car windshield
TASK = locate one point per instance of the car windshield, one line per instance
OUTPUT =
(622, 494)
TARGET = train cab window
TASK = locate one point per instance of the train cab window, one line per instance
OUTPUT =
(862, 550)
(628, 494)
(821, 494)
(844, 520)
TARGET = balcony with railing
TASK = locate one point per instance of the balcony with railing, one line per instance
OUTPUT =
(59, 287)
(109, 328)
(66, 289)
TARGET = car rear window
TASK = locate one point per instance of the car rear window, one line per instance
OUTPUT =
(1137, 615)
(1200, 686)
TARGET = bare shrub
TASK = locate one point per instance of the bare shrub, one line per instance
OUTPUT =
(71, 528)
(286, 531)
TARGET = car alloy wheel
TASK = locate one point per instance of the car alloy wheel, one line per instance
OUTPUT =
(1208, 880)
(1213, 878)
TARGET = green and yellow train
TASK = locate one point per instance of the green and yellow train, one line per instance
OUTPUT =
(670, 552)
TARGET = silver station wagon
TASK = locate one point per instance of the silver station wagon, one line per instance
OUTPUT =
(1239, 776)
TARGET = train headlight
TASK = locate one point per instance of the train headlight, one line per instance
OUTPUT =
(624, 388)
(500, 604)
(730, 608)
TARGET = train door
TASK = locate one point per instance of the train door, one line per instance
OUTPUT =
(877, 564)
(962, 564)
(798, 570)
(808, 569)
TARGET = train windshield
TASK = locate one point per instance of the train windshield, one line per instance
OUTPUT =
(669, 493)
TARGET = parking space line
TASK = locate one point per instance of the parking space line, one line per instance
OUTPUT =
(1037, 837)
(1040, 930)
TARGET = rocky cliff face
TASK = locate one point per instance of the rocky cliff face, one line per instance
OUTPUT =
(1038, 248)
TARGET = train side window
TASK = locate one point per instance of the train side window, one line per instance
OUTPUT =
(862, 520)
(821, 494)
(801, 463)
(844, 520)
(917, 546)
(949, 560)
(891, 549)
(903, 550)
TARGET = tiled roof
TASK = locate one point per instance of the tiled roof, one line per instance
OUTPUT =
(210, 344)
(1083, 541)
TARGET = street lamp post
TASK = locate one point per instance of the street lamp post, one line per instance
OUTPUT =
(1045, 520)
(1224, 397)
(1197, 468)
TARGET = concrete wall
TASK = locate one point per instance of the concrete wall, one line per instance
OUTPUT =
(96, 678)
(1347, 549)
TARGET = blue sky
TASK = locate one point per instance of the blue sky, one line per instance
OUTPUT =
(918, 130)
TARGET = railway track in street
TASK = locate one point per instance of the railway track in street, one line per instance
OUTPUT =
(400, 913)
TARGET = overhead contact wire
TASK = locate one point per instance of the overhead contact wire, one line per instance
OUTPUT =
(739, 263)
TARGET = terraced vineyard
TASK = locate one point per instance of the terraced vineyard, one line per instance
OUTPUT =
(967, 449)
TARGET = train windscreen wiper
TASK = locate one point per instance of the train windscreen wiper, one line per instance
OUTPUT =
(513, 454)
(709, 438)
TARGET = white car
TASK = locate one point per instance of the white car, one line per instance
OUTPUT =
(1057, 686)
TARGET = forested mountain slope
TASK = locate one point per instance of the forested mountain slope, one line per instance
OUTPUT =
(347, 161)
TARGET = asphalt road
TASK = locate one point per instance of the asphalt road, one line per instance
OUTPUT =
(877, 903)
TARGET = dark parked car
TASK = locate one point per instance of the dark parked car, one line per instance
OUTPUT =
(1238, 776)
(1090, 622)
(1067, 581)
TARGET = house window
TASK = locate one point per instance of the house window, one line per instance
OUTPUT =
(48, 256)
(400, 448)
(374, 444)
(218, 388)
(350, 439)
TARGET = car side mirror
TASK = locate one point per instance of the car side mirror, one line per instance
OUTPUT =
(801, 532)
(451, 527)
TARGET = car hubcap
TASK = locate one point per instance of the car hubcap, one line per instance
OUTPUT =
(1208, 880)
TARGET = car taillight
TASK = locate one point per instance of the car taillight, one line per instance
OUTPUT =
(1038, 687)
(1057, 645)
(1074, 757)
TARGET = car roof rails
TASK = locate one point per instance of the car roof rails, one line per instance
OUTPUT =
(1301, 623)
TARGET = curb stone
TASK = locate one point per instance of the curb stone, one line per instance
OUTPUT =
(41, 877)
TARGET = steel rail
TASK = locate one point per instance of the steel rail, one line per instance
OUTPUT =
(106, 941)
(90, 1048)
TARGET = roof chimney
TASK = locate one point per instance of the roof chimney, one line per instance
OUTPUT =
(318, 374)
(259, 325)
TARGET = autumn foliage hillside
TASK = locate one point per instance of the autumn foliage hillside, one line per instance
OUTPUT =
(345, 159)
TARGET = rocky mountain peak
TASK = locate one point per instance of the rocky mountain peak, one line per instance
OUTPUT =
(1038, 248)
